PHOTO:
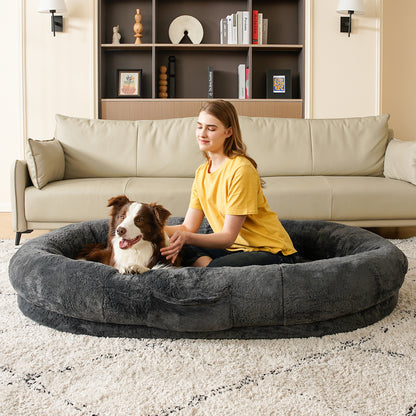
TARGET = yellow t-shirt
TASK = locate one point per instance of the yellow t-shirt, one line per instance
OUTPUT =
(235, 189)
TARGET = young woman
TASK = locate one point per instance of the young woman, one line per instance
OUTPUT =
(227, 190)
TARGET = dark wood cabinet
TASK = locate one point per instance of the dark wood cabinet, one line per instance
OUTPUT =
(284, 50)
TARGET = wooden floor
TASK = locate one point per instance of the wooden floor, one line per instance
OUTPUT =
(7, 233)
(6, 229)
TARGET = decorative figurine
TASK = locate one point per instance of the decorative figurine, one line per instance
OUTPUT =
(138, 27)
(163, 82)
(116, 35)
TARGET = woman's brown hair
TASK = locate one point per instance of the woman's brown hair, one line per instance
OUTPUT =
(227, 114)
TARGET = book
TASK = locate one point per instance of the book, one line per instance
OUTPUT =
(222, 26)
(241, 81)
(246, 28)
(255, 27)
(229, 28)
(225, 30)
(247, 83)
(239, 27)
(210, 82)
(234, 30)
(260, 28)
(265, 30)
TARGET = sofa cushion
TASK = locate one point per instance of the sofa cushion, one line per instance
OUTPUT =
(350, 146)
(280, 146)
(340, 198)
(72, 200)
(168, 148)
(172, 193)
(400, 161)
(97, 148)
(299, 197)
(378, 198)
(45, 161)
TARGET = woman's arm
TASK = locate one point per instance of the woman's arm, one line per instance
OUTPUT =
(192, 222)
(186, 234)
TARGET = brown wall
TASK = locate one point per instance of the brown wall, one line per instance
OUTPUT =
(399, 66)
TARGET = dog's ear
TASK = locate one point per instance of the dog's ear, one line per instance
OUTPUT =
(117, 202)
(161, 213)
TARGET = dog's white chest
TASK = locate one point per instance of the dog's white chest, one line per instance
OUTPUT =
(134, 259)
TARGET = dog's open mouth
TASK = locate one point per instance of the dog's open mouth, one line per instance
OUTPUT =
(124, 243)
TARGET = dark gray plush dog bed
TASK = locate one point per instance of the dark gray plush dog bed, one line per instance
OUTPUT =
(351, 279)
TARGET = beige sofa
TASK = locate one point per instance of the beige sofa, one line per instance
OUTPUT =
(344, 170)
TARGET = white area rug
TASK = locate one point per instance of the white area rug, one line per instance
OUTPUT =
(370, 371)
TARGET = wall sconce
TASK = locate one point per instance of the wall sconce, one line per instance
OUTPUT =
(349, 7)
(53, 6)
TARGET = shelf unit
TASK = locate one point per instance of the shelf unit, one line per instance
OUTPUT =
(285, 50)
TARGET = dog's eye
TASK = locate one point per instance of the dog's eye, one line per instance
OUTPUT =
(139, 220)
(122, 217)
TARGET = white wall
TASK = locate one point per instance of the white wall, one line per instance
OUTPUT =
(11, 132)
(60, 73)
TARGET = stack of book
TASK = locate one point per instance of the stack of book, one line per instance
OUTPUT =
(235, 29)
(243, 81)
(260, 28)
(242, 29)
(243, 73)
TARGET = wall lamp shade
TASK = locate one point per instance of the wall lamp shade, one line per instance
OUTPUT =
(53, 6)
(349, 7)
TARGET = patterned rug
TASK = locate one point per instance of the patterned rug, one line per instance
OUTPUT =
(370, 371)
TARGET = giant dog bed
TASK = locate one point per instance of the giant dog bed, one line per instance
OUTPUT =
(349, 278)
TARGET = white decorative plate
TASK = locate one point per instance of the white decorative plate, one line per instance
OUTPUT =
(188, 24)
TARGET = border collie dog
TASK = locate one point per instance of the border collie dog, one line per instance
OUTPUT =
(135, 237)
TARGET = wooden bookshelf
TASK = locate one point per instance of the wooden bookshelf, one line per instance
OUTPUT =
(284, 50)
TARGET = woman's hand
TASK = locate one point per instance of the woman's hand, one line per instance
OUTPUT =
(177, 241)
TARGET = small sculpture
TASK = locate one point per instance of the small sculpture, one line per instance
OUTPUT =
(163, 82)
(186, 26)
(116, 35)
(138, 27)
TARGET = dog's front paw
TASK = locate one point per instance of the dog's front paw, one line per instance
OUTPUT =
(133, 269)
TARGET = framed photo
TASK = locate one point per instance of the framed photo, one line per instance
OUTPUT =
(279, 83)
(129, 83)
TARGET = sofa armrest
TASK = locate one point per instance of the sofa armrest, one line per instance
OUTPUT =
(400, 160)
(20, 180)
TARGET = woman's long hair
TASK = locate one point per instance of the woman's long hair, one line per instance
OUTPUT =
(227, 114)
(233, 145)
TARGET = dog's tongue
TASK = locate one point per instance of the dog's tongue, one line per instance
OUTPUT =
(124, 243)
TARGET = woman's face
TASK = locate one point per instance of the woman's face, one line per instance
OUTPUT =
(211, 133)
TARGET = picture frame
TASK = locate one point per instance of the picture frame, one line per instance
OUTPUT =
(279, 84)
(129, 83)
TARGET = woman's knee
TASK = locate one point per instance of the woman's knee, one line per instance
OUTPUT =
(202, 261)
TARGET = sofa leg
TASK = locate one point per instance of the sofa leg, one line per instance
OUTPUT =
(19, 235)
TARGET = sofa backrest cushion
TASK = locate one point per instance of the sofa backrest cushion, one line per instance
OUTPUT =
(280, 146)
(354, 146)
(97, 148)
(168, 148)
(350, 146)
